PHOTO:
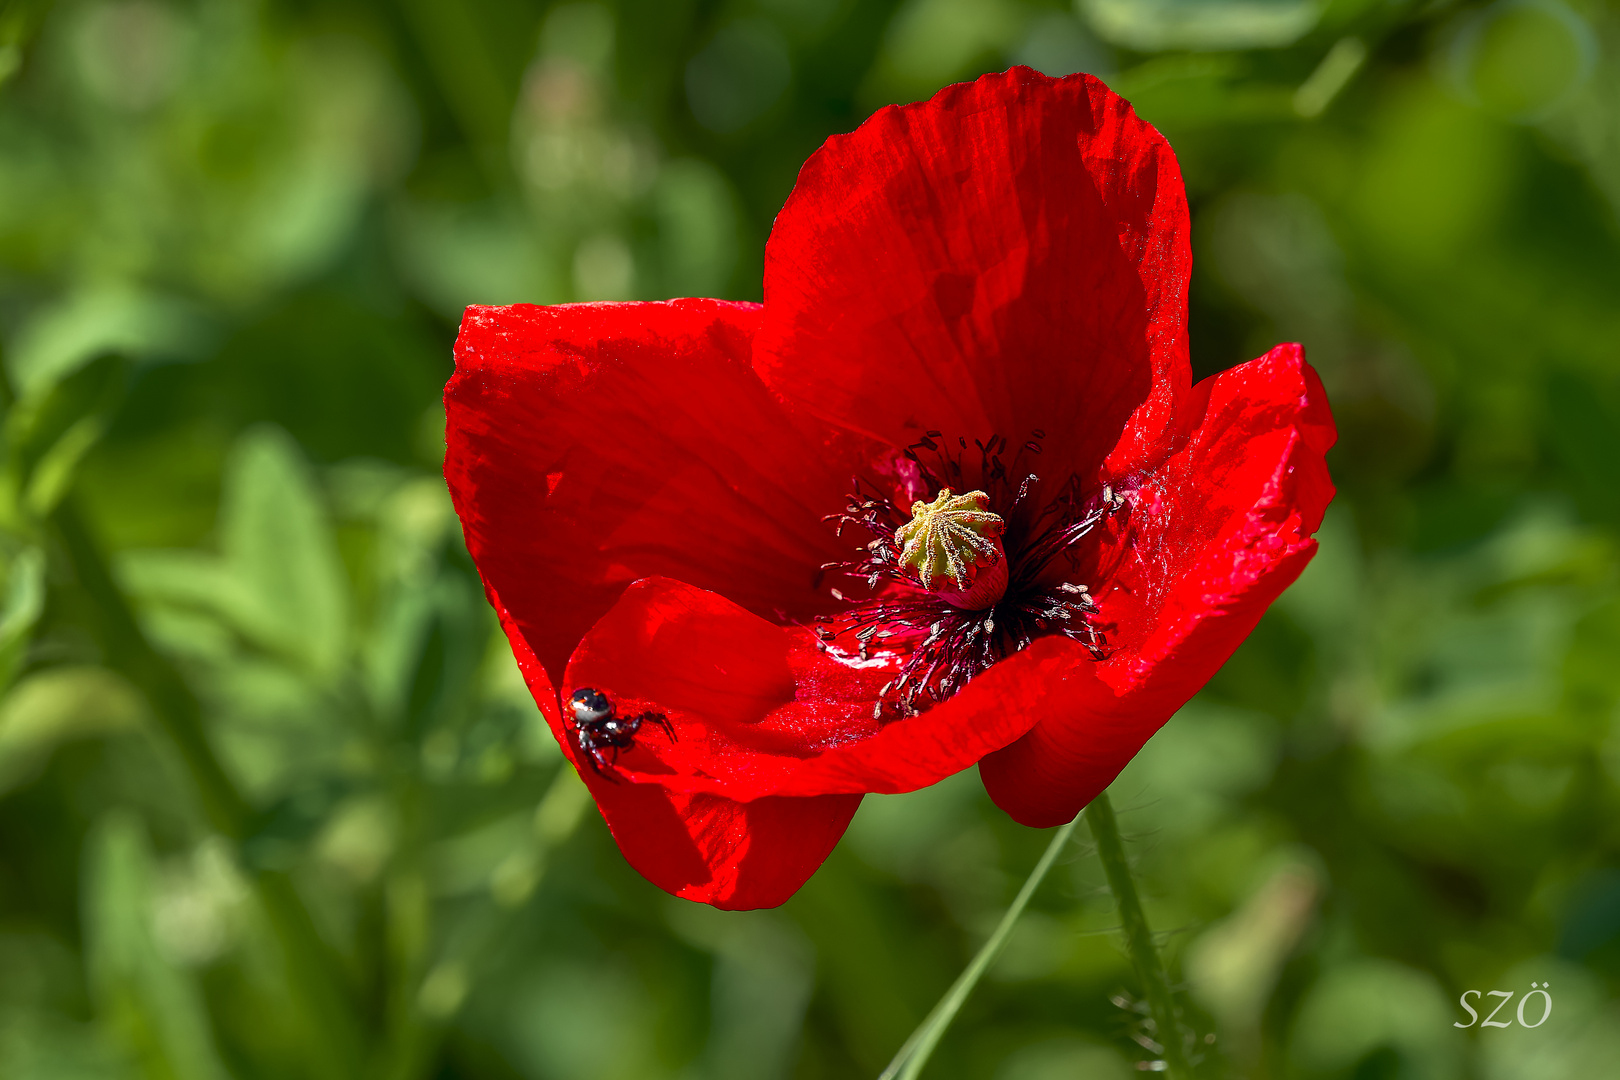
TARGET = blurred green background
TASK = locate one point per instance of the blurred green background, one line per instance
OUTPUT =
(273, 800)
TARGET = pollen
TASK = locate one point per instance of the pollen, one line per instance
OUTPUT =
(951, 540)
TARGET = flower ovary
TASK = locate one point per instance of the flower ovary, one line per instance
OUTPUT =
(952, 545)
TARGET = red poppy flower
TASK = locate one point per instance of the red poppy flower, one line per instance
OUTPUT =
(948, 497)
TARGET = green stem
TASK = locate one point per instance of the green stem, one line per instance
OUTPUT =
(909, 1062)
(313, 972)
(1138, 938)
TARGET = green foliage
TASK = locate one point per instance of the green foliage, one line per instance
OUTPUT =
(274, 801)
(149, 1001)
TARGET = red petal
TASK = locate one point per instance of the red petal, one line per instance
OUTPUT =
(593, 444)
(1216, 533)
(758, 711)
(700, 846)
(714, 850)
(1009, 255)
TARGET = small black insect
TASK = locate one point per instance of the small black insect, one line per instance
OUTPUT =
(599, 728)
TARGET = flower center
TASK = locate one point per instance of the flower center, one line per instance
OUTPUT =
(970, 578)
(953, 546)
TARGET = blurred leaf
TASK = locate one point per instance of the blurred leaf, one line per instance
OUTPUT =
(186, 579)
(53, 425)
(278, 545)
(426, 642)
(54, 473)
(19, 21)
(1194, 90)
(457, 255)
(697, 216)
(153, 1007)
(565, 1022)
(1431, 177)
(1199, 766)
(465, 863)
(55, 705)
(1158, 25)
(1375, 1007)
(279, 579)
(1337, 68)
(1057, 44)
(1233, 966)
(1584, 123)
(738, 76)
(583, 32)
(1063, 1059)
(931, 42)
(1580, 1038)
(763, 973)
(1587, 438)
(1519, 60)
(307, 799)
(358, 837)
(458, 47)
(42, 1046)
(63, 336)
(24, 601)
(41, 973)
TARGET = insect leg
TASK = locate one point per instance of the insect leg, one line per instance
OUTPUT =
(592, 754)
(659, 720)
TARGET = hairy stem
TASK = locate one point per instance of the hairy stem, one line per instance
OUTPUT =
(1139, 939)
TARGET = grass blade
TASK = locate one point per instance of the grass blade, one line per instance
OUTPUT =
(914, 1054)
